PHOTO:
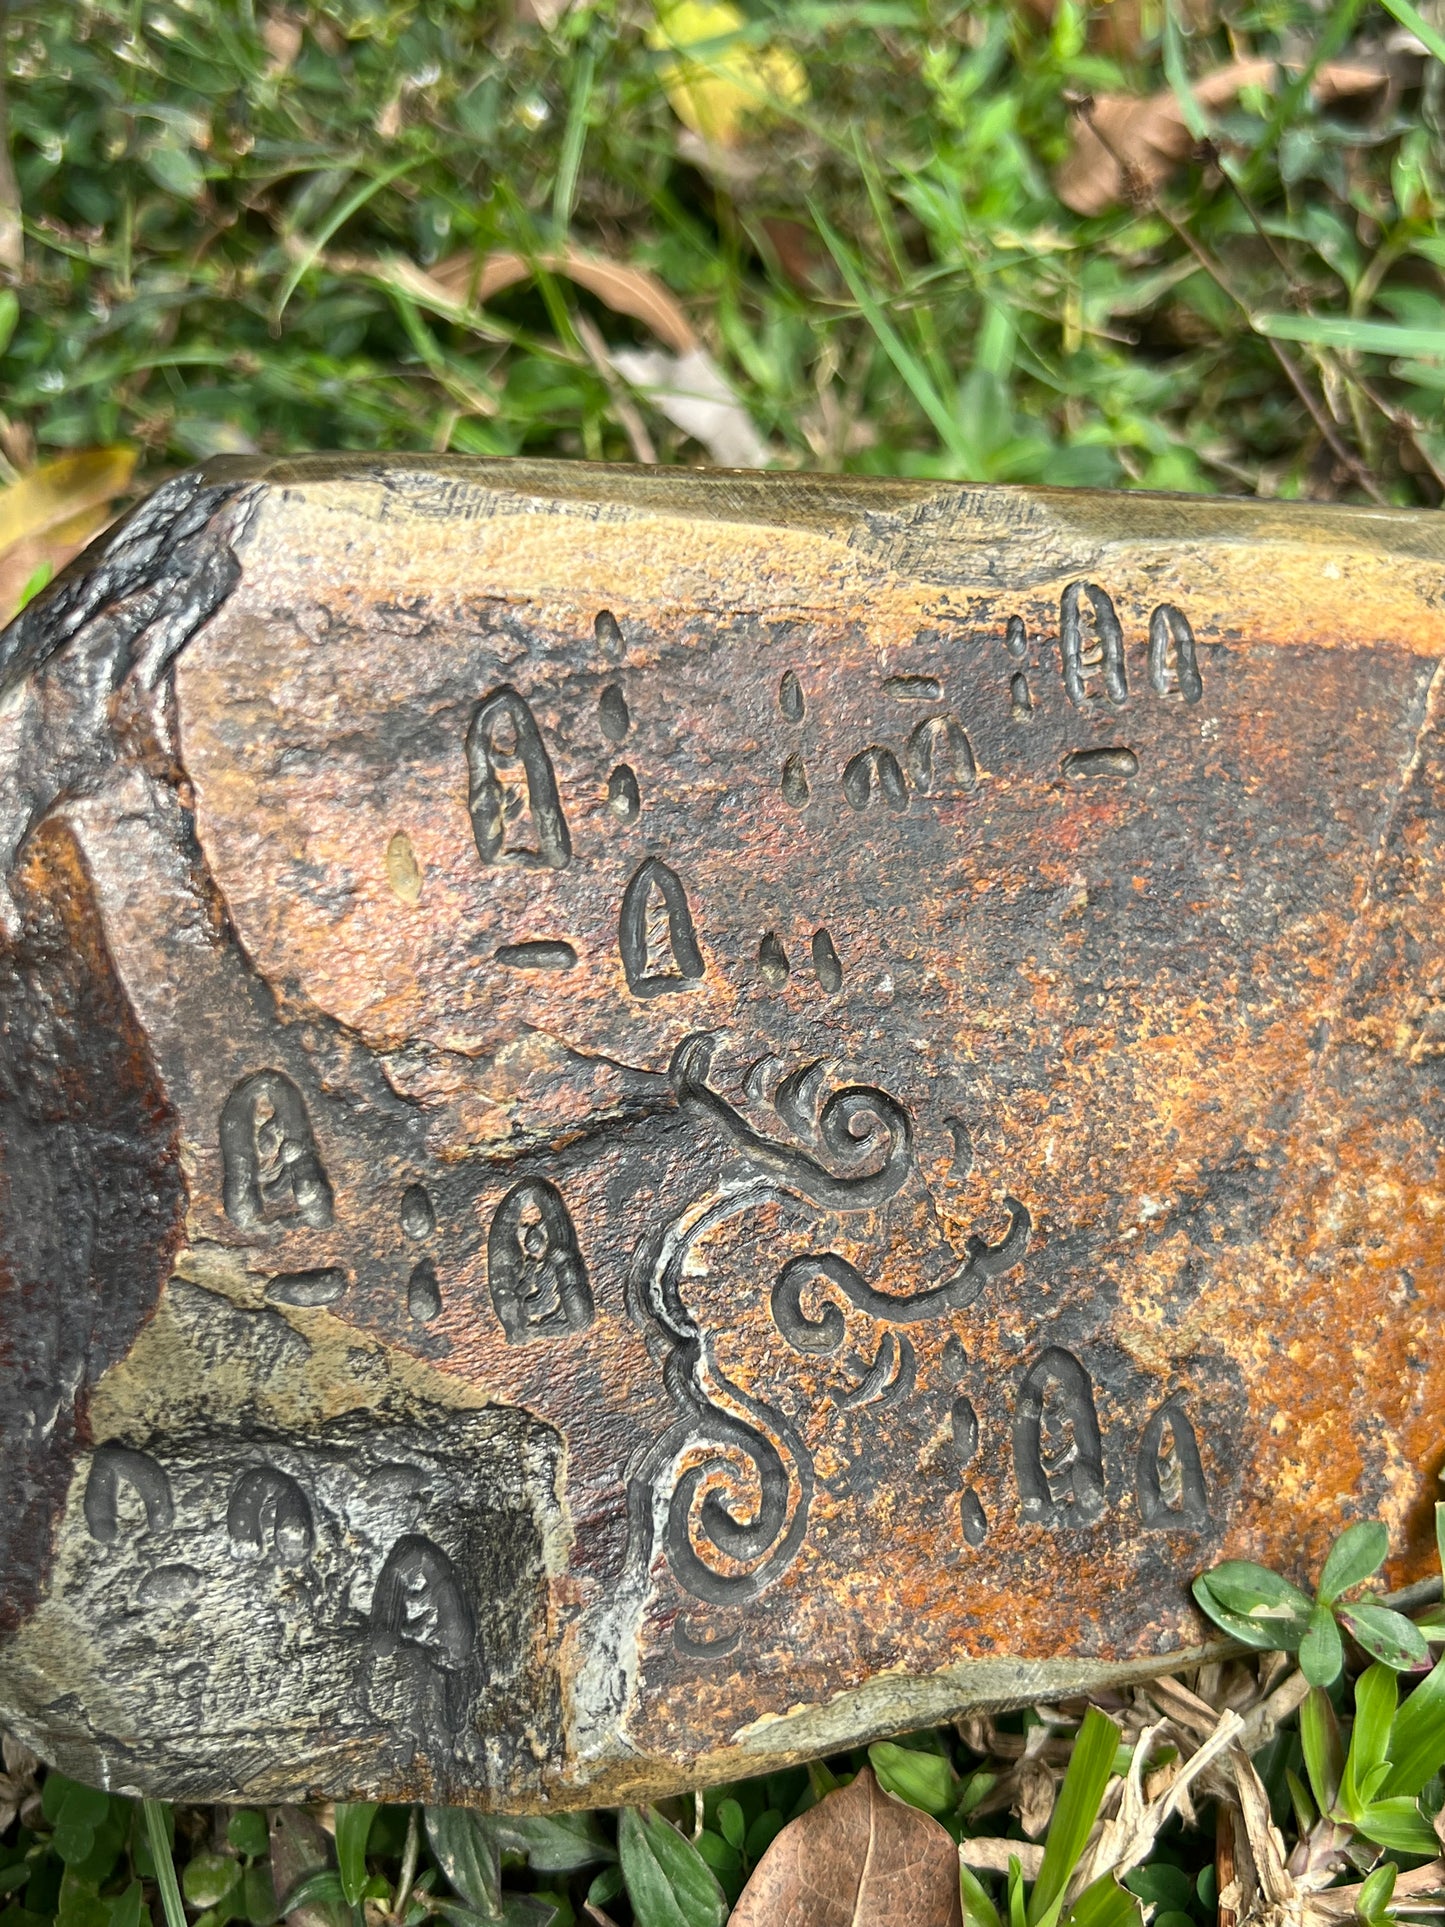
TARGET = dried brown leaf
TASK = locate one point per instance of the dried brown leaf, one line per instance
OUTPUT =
(48, 516)
(626, 290)
(1123, 145)
(858, 1857)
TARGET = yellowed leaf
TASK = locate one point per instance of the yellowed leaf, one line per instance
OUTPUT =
(48, 516)
(717, 79)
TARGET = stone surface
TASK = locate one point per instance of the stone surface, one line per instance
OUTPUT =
(652, 1122)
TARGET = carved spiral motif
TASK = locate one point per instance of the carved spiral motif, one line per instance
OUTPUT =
(853, 1123)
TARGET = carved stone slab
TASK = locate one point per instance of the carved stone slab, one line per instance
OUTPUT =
(653, 1122)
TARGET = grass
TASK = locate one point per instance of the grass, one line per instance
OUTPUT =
(215, 195)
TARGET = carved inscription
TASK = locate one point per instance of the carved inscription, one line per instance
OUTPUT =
(268, 1516)
(535, 1268)
(963, 1421)
(1171, 635)
(1084, 654)
(1169, 1474)
(512, 789)
(940, 757)
(1058, 1453)
(655, 933)
(271, 1170)
(874, 774)
(420, 1607)
(114, 1469)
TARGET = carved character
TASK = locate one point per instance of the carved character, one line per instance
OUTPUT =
(1169, 1475)
(511, 781)
(874, 772)
(1108, 654)
(1170, 626)
(268, 1515)
(940, 757)
(534, 1265)
(1058, 1454)
(117, 1465)
(655, 933)
(420, 1602)
(270, 1165)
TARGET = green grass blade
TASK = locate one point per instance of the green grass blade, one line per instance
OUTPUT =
(155, 1818)
(1346, 331)
(909, 367)
(1413, 21)
(1076, 1810)
(308, 256)
(1417, 1738)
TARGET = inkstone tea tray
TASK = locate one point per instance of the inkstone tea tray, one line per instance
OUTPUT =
(656, 1122)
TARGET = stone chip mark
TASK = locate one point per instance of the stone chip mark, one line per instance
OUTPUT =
(271, 1168)
(512, 787)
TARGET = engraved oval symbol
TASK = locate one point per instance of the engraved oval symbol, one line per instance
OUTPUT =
(793, 784)
(535, 1267)
(512, 788)
(423, 1293)
(1112, 760)
(418, 1215)
(655, 933)
(1058, 1453)
(268, 1515)
(613, 714)
(1016, 638)
(624, 799)
(1169, 630)
(940, 756)
(1169, 1475)
(1082, 654)
(827, 965)
(113, 1467)
(773, 961)
(271, 1169)
(874, 772)
(420, 1602)
(790, 698)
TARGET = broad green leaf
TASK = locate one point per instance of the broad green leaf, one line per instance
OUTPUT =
(208, 1877)
(554, 1842)
(1324, 1749)
(668, 1881)
(1440, 1534)
(1431, 1622)
(924, 1780)
(1256, 1592)
(79, 1904)
(246, 1831)
(125, 1909)
(353, 1830)
(1359, 1551)
(1322, 1651)
(1074, 1811)
(1104, 1903)
(319, 1889)
(1267, 1635)
(466, 1850)
(1387, 1636)
(730, 1819)
(1376, 1891)
(9, 315)
(1161, 1885)
(1398, 1825)
(1417, 1738)
(1376, 1696)
(978, 1908)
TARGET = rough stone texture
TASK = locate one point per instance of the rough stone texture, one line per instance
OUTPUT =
(652, 1122)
